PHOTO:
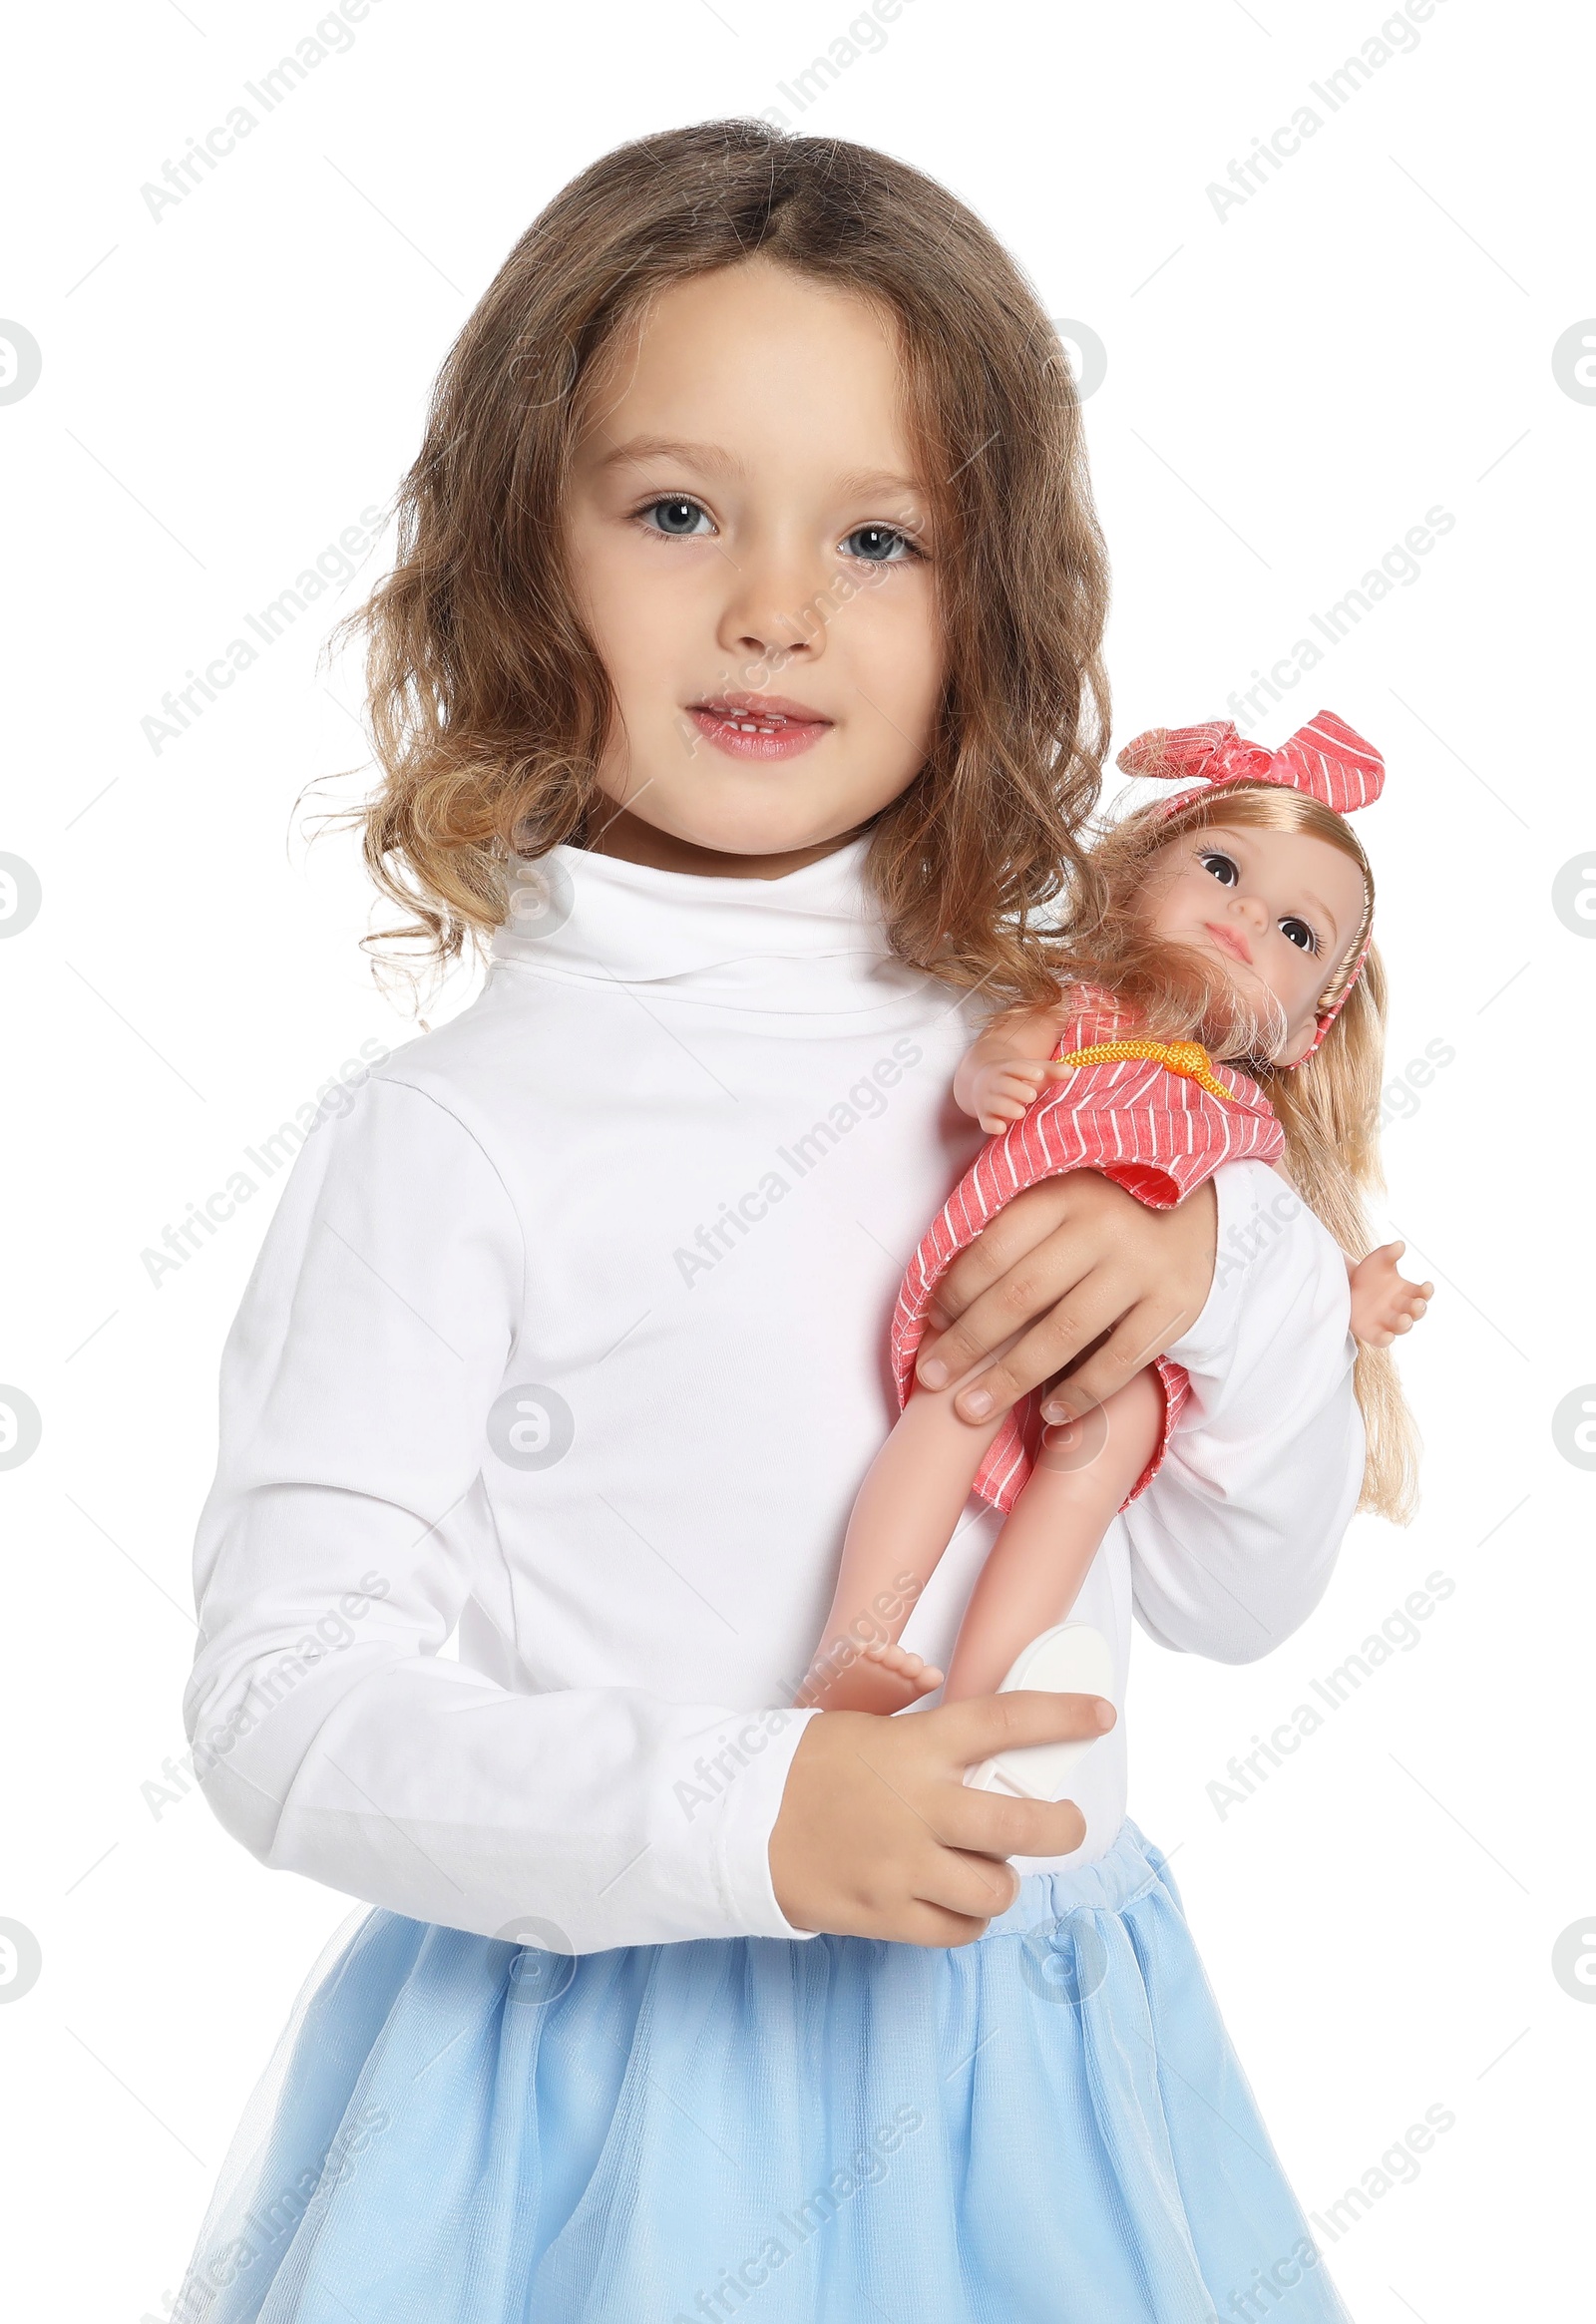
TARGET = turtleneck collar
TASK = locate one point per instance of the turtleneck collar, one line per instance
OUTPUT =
(812, 940)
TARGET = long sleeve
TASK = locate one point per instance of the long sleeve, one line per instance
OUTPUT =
(348, 1526)
(1233, 1543)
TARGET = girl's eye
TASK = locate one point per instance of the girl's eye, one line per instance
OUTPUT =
(1298, 933)
(1222, 866)
(676, 512)
(880, 539)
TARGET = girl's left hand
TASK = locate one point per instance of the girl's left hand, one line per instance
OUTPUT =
(1082, 1262)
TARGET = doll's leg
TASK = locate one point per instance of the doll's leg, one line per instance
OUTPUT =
(901, 1521)
(1041, 1559)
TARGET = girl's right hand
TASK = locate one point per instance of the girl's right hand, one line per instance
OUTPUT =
(878, 1834)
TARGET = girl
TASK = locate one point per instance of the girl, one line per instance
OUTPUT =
(1241, 911)
(738, 680)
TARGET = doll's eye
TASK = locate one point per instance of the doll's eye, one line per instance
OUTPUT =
(879, 540)
(1222, 866)
(1298, 933)
(676, 512)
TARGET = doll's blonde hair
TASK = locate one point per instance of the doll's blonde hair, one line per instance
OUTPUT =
(1328, 1106)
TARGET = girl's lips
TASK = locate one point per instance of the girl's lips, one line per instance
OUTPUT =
(1228, 940)
(757, 735)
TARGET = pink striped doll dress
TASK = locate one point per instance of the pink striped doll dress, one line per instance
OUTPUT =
(1146, 1123)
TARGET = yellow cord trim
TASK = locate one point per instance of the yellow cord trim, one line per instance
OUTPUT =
(1187, 1059)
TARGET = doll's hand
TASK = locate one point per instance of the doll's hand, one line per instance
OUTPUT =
(1073, 1263)
(878, 1834)
(1384, 1301)
(1002, 1089)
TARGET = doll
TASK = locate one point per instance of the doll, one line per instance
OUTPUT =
(1237, 915)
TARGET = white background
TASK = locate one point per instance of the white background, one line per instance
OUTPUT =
(1290, 387)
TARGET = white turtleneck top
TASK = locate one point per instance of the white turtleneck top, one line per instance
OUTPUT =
(571, 1331)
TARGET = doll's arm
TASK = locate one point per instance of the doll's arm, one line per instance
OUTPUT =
(1002, 1071)
(1384, 1302)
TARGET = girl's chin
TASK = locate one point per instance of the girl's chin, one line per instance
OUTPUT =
(694, 841)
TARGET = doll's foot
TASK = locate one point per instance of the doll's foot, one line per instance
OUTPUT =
(881, 1678)
(912, 1672)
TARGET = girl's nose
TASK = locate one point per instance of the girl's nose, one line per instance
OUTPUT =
(1251, 908)
(773, 640)
(779, 606)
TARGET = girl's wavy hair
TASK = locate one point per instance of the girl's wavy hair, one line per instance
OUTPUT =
(1328, 1106)
(490, 708)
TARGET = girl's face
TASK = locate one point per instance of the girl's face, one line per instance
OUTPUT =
(1278, 908)
(750, 535)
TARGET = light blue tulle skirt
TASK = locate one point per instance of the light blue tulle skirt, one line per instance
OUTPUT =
(1048, 2124)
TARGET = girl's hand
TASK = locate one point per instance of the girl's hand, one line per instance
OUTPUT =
(1384, 1302)
(879, 1836)
(1002, 1089)
(1086, 1266)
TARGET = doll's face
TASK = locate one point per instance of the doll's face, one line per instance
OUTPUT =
(1279, 909)
(744, 518)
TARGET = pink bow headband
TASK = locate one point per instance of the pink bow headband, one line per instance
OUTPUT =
(1325, 759)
